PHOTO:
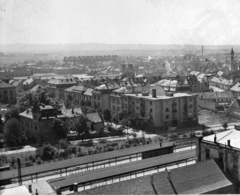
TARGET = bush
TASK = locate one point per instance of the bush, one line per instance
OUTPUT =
(102, 141)
(80, 154)
(39, 162)
(46, 152)
(86, 143)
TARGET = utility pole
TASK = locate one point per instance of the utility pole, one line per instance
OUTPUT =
(19, 172)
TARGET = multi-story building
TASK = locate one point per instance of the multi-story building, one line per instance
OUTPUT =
(101, 94)
(37, 121)
(116, 97)
(7, 93)
(56, 87)
(223, 146)
(172, 109)
(75, 91)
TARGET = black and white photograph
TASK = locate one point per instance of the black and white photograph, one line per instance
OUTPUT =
(119, 97)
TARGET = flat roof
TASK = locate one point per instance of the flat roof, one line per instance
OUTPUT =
(81, 160)
(109, 172)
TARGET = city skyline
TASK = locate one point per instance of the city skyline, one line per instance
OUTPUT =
(120, 22)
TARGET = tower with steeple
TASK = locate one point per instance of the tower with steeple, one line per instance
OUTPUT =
(232, 62)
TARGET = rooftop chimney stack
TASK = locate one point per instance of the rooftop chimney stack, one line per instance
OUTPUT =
(215, 139)
(154, 93)
(229, 143)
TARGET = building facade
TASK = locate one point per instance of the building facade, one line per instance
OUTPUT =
(179, 109)
(223, 146)
(56, 87)
(7, 93)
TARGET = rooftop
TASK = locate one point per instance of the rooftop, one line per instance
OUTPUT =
(140, 95)
(222, 137)
(94, 117)
(76, 89)
(193, 179)
(5, 85)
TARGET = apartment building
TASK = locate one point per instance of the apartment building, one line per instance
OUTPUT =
(7, 93)
(56, 87)
(172, 109)
(116, 97)
(101, 95)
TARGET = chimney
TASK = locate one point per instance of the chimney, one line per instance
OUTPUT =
(229, 143)
(36, 192)
(72, 110)
(154, 93)
(169, 175)
(215, 139)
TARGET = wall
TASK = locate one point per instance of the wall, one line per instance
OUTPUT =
(157, 152)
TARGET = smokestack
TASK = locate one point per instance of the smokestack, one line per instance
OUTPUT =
(154, 93)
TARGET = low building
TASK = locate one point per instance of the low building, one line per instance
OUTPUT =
(29, 83)
(56, 87)
(7, 93)
(200, 178)
(96, 122)
(172, 109)
(236, 90)
(17, 83)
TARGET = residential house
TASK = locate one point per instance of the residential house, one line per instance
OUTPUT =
(37, 122)
(17, 83)
(221, 82)
(236, 90)
(29, 83)
(7, 93)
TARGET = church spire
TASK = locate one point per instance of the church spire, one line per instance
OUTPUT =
(232, 52)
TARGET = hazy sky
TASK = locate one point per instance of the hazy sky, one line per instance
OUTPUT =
(120, 21)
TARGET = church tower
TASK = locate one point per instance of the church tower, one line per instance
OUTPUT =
(232, 63)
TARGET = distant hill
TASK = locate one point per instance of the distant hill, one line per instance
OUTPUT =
(86, 47)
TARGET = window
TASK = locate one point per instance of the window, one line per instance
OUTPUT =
(167, 116)
(190, 99)
(113, 100)
(98, 98)
(137, 107)
(4, 92)
(10, 91)
(150, 103)
(35, 127)
(118, 101)
(151, 110)
(113, 107)
(190, 106)
(167, 109)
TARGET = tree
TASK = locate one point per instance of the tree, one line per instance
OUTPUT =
(13, 133)
(225, 125)
(59, 128)
(80, 125)
(107, 115)
(46, 152)
(115, 118)
(12, 113)
(63, 143)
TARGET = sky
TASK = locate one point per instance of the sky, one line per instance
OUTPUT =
(204, 22)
